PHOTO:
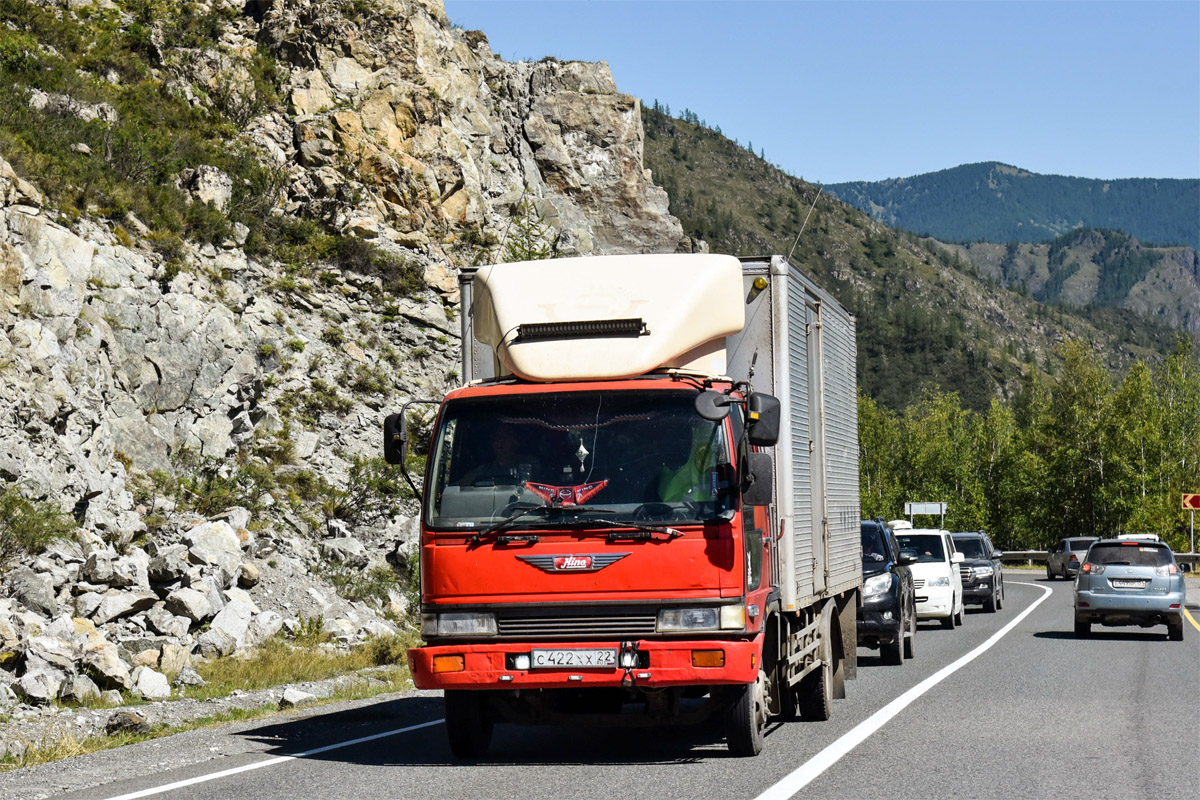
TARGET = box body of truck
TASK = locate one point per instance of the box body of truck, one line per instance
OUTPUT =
(643, 505)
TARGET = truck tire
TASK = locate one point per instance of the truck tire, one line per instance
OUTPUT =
(746, 719)
(893, 652)
(910, 637)
(990, 605)
(814, 693)
(468, 723)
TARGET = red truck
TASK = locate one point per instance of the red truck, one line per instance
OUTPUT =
(642, 507)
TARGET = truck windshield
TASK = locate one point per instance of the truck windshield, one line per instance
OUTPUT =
(644, 456)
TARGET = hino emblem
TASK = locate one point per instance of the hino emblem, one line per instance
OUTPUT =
(573, 563)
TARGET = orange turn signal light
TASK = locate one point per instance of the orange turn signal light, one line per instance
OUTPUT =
(448, 664)
(708, 658)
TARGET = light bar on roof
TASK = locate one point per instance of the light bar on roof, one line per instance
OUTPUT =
(582, 329)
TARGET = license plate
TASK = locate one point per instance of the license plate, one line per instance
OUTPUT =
(573, 659)
(1128, 584)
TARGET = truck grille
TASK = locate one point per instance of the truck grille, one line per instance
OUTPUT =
(599, 626)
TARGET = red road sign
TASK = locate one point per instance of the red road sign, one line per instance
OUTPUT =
(1191, 502)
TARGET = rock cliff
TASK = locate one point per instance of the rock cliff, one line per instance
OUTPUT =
(137, 385)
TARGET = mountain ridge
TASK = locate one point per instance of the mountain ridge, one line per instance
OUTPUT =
(997, 202)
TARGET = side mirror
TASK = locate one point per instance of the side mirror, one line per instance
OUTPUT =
(395, 439)
(712, 405)
(763, 411)
(907, 557)
(957, 558)
(997, 554)
(759, 482)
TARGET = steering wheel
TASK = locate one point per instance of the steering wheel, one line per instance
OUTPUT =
(653, 512)
(515, 506)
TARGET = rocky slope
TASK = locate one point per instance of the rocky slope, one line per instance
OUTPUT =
(210, 418)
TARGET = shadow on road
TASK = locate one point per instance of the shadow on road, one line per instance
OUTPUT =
(510, 743)
(1106, 635)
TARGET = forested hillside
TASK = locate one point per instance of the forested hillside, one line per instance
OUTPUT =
(1097, 268)
(999, 203)
(1083, 454)
(927, 318)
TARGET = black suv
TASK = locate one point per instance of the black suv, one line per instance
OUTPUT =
(887, 618)
(982, 578)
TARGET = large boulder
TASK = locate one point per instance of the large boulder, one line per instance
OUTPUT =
(34, 591)
(215, 544)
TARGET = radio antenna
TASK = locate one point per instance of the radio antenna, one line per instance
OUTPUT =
(805, 225)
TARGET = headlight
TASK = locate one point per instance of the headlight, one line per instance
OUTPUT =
(709, 618)
(942, 581)
(877, 584)
(458, 624)
(983, 572)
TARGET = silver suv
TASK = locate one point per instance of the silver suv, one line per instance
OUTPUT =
(1066, 556)
(1129, 582)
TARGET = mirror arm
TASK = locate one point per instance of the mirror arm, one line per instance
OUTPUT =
(400, 435)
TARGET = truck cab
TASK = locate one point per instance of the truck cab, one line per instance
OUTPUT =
(607, 526)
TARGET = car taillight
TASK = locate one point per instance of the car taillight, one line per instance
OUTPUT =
(1074, 557)
(1169, 569)
(1093, 569)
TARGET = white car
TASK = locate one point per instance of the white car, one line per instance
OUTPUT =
(936, 576)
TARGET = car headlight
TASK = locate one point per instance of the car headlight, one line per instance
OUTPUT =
(942, 581)
(708, 618)
(877, 584)
(476, 623)
(983, 572)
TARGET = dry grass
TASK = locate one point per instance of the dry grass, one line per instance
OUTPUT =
(275, 664)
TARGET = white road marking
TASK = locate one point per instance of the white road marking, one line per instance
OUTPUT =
(212, 776)
(811, 769)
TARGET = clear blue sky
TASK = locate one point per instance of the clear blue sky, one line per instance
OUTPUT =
(840, 91)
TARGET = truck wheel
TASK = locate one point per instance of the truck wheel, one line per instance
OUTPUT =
(468, 723)
(747, 718)
(910, 637)
(814, 693)
(893, 652)
(1083, 628)
(1175, 630)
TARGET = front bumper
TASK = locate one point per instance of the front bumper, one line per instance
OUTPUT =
(978, 593)
(667, 663)
(935, 602)
(879, 621)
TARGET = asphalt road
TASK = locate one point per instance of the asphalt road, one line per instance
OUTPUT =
(1010, 705)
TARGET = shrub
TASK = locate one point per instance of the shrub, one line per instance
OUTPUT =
(374, 490)
(28, 526)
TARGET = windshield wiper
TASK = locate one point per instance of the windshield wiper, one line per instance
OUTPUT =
(509, 520)
(640, 531)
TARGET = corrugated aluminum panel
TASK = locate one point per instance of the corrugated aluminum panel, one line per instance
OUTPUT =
(800, 435)
(841, 446)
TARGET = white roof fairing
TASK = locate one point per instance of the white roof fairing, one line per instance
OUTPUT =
(688, 302)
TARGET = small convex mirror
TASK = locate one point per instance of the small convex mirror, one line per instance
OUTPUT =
(713, 405)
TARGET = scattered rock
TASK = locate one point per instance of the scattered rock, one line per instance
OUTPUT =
(126, 720)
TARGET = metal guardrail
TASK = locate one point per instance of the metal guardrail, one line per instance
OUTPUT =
(1029, 556)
